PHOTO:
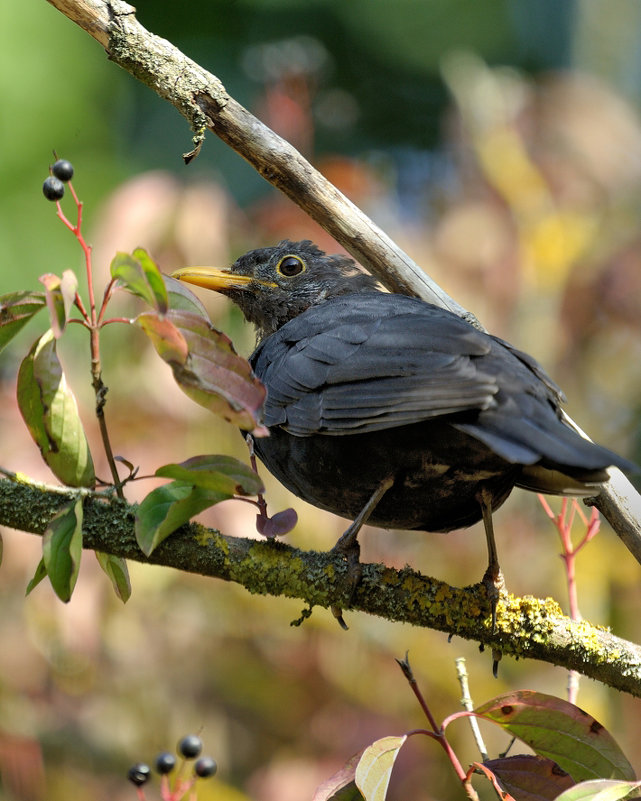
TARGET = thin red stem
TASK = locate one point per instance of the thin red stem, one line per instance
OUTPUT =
(563, 523)
(438, 732)
(105, 300)
(92, 322)
(111, 320)
(441, 739)
(86, 324)
(81, 307)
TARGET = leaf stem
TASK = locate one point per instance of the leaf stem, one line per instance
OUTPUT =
(438, 731)
(93, 323)
(563, 523)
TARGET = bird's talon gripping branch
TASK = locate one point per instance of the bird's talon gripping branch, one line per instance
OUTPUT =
(349, 546)
(495, 588)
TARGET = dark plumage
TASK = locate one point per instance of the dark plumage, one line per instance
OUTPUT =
(365, 387)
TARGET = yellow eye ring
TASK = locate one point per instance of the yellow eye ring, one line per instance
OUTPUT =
(290, 265)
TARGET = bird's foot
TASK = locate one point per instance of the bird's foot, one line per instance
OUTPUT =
(494, 584)
(349, 548)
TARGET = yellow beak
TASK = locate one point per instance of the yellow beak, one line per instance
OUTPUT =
(218, 280)
(211, 278)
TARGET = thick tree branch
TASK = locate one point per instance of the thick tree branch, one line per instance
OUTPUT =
(526, 626)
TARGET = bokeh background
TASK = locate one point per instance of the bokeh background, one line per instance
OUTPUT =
(499, 143)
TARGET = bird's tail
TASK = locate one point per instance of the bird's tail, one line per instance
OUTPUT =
(550, 481)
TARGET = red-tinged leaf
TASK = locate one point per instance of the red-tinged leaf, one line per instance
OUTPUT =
(212, 373)
(560, 731)
(38, 576)
(166, 508)
(139, 274)
(62, 549)
(166, 338)
(599, 790)
(530, 778)
(374, 768)
(60, 294)
(342, 785)
(49, 409)
(277, 525)
(16, 309)
(215, 472)
(182, 298)
(115, 567)
(502, 793)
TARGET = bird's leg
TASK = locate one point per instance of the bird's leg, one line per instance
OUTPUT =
(262, 504)
(349, 547)
(493, 578)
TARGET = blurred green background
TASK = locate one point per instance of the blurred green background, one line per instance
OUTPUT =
(499, 143)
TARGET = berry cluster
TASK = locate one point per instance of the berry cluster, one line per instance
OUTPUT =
(54, 186)
(189, 747)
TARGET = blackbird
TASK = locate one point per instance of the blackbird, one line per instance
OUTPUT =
(387, 409)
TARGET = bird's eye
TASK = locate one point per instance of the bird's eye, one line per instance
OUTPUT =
(290, 266)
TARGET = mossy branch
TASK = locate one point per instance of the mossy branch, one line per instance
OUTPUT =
(526, 627)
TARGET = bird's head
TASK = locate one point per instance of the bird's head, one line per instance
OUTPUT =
(274, 285)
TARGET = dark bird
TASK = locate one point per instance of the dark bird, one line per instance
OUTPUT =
(387, 409)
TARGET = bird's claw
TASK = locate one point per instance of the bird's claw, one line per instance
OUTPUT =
(494, 584)
(349, 548)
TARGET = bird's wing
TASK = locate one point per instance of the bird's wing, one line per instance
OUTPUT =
(370, 361)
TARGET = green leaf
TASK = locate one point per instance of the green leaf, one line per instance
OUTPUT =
(215, 472)
(598, 790)
(49, 409)
(139, 274)
(206, 367)
(116, 569)
(62, 549)
(38, 576)
(166, 508)
(375, 767)
(16, 309)
(182, 298)
(154, 278)
(60, 294)
(560, 731)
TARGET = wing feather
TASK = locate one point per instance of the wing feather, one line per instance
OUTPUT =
(341, 368)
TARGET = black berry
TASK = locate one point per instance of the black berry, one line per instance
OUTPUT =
(63, 170)
(53, 188)
(139, 774)
(205, 767)
(165, 762)
(190, 746)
